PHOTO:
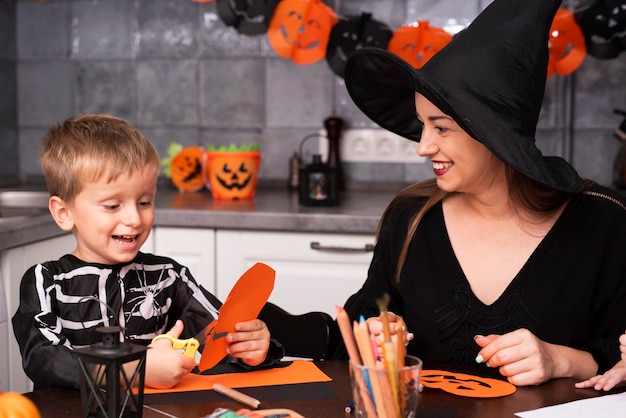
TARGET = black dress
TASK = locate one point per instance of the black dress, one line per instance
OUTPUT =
(571, 291)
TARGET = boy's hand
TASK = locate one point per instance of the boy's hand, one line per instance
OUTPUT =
(164, 365)
(249, 342)
(607, 381)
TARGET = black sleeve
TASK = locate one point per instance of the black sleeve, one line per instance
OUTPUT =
(47, 356)
(382, 271)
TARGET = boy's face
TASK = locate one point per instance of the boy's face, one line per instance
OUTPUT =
(111, 221)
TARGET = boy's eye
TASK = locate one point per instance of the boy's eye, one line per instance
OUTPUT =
(145, 204)
(111, 207)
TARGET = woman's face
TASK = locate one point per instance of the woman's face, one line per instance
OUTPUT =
(460, 163)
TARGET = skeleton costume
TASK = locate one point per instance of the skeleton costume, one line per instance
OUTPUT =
(63, 302)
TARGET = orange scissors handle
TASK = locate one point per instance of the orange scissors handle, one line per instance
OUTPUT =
(189, 346)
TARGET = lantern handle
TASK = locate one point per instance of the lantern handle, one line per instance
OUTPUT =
(303, 140)
(109, 309)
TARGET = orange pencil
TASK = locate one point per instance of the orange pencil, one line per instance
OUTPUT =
(346, 333)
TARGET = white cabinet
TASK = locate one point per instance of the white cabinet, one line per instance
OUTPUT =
(191, 247)
(14, 263)
(307, 279)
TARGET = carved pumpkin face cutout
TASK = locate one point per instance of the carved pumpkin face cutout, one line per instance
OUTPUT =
(232, 175)
(416, 44)
(566, 45)
(466, 384)
(352, 33)
(300, 30)
(186, 169)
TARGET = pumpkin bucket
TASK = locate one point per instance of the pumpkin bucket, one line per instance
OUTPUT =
(232, 175)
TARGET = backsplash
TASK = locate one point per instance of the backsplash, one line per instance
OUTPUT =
(177, 72)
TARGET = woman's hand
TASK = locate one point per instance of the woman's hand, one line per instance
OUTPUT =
(164, 365)
(376, 328)
(526, 360)
(249, 342)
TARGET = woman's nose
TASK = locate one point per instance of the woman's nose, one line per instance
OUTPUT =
(426, 146)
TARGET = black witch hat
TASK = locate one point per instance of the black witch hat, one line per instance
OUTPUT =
(490, 79)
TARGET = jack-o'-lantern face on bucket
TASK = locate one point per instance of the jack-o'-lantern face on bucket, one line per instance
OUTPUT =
(232, 175)
(465, 384)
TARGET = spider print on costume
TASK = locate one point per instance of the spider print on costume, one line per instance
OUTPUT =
(147, 303)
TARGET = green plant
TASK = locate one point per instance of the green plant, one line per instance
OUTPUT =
(251, 147)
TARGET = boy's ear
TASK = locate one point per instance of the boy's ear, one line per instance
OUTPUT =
(61, 213)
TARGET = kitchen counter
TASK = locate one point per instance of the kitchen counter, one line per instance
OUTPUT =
(271, 209)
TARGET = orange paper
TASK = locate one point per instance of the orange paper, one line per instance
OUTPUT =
(300, 371)
(466, 384)
(244, 302)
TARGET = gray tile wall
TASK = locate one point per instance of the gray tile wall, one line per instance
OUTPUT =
(177, 72)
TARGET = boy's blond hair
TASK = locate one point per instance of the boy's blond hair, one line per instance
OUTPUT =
(89, 148)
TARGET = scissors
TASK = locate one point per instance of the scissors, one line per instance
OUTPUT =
(190, 346)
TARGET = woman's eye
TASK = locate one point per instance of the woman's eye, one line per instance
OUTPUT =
(441, 130)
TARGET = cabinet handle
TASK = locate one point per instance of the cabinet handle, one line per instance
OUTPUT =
(319, 247)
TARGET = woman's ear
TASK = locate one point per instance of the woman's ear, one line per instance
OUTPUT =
(61, 213)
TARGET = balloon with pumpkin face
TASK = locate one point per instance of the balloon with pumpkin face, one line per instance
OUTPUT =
(232, 175)
(417, 43)
(566, 45)
(300, 29)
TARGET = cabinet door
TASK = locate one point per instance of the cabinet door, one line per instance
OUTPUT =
(15, 262)
(191, 247)
(307, 279)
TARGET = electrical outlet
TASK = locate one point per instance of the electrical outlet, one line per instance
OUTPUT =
(373, 145)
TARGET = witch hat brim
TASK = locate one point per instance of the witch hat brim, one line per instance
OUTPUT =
(490, 79)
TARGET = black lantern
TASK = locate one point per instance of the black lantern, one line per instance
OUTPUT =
(109, 372)
(318, 184)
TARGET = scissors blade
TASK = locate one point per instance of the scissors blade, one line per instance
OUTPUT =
(204, 333)
(202, 338)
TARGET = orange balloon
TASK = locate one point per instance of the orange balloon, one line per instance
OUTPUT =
(417, 43)
(566, 45)
(300, 30)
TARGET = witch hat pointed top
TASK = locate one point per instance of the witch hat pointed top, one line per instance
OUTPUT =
(490, 79)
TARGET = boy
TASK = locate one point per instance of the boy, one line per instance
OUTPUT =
(613, 376)
(102, 176)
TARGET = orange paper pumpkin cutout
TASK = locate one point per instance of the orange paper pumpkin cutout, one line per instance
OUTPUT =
(300, 30)
(466, 384)
(232, 175)
(243, 303)
(186, 169)
(566, 45)
(416, 44)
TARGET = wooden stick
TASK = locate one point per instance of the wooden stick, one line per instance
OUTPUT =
(249, 401)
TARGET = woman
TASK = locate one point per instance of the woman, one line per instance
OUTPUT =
(507, 258)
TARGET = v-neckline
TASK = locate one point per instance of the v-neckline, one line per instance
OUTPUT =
(518, 276)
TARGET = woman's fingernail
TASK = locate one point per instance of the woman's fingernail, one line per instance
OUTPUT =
(410, 336)
(478, 336)
(479, 359)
